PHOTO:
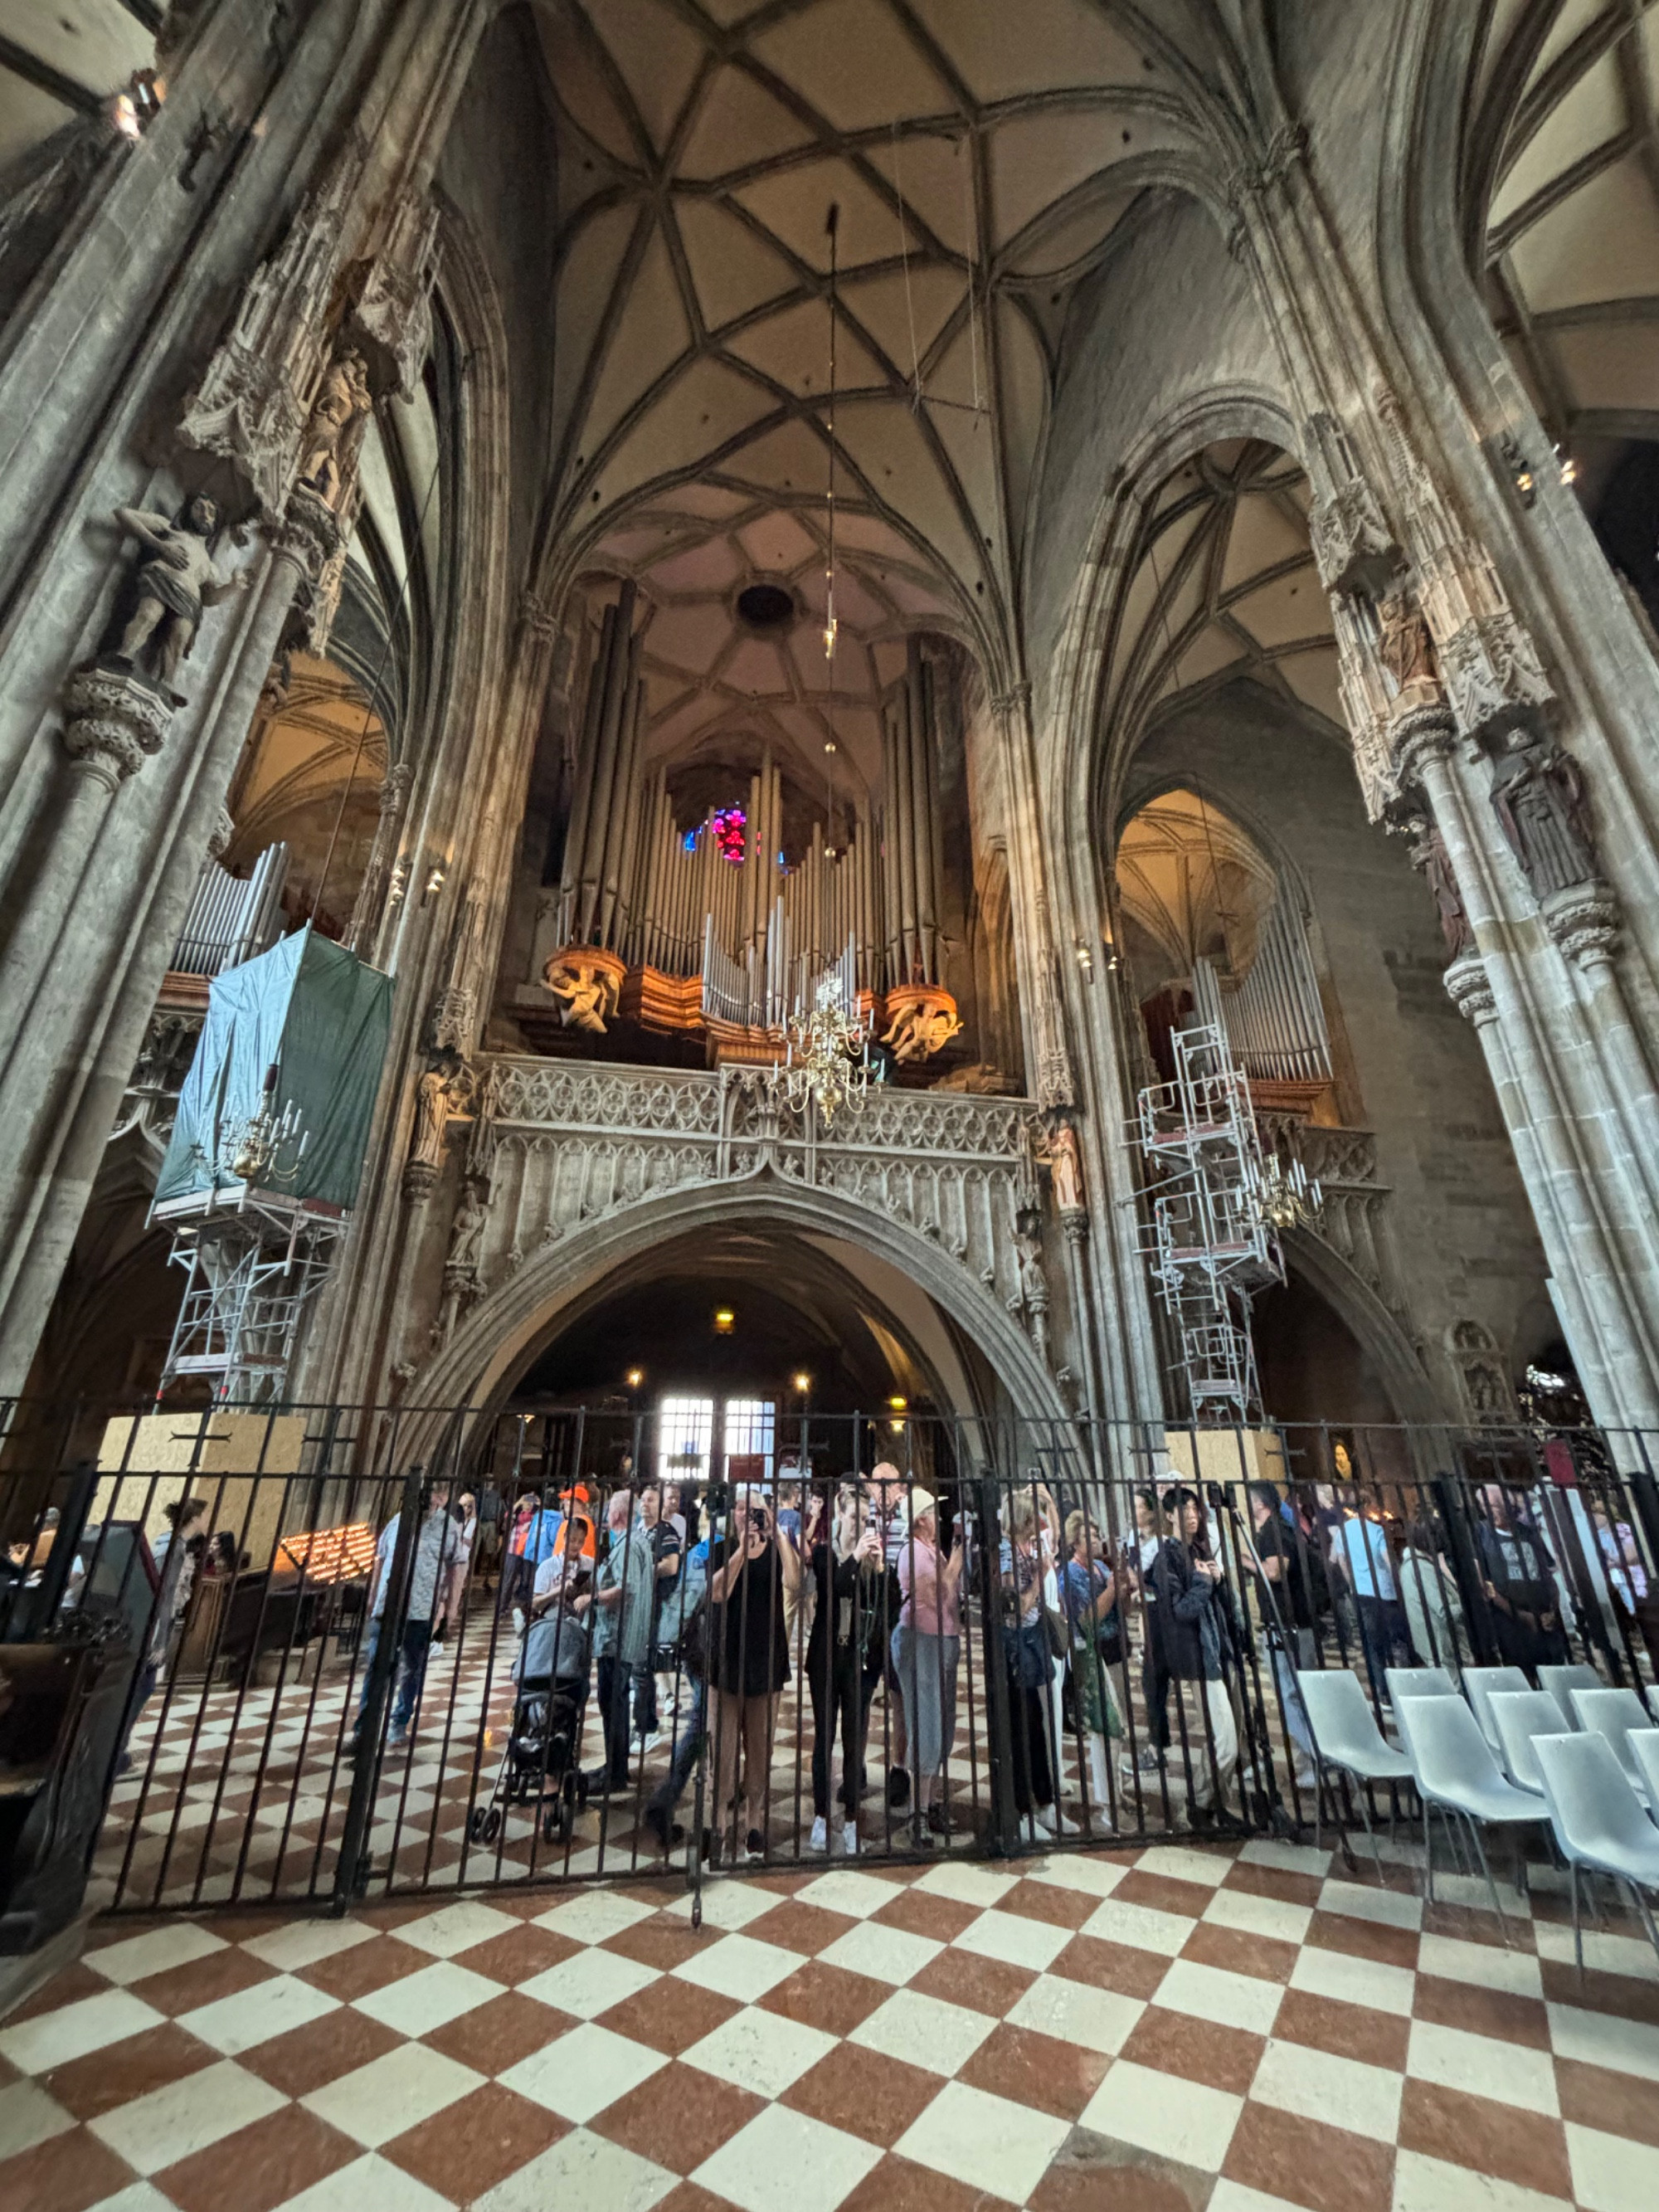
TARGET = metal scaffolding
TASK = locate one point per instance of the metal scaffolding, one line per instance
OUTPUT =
(1209, 1246)
(254, 1259)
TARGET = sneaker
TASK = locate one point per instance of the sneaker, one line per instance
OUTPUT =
(754, 1844)
(849, 1839)
(398, 1740)
(518, 1621)
(898, 1788)
(656, 1820)
(819, 1839)
(644, 1743)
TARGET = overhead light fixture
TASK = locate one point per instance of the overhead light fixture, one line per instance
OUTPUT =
(1569, 467)
(725, 1320)
(635, 1377)
(898, 1405)
(803, 1383)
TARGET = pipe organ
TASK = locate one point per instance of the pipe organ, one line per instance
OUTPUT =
(719, 904)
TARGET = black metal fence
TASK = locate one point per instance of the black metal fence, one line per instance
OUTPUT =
(572, 1645)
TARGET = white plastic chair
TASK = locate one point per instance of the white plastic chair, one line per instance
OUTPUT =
(1419, 1682)
(1613, 1714)
(1456, 1770)
(1345, 1736)
(1643, 1745)
(1479, 1683)
(1562, 1681)
(1519, 1717)
(1597, 1822)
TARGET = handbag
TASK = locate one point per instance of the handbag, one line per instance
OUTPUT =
(694, 1640)
(1027, 1655)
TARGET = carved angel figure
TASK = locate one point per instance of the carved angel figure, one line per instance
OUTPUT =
(175, 582)
(1538, 795)
(586, 991)
(922, 1027)
(334, 432)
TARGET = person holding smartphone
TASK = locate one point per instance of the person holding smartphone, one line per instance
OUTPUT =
(749, 1566)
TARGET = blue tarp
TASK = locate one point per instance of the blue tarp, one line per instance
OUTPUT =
(323, 1020)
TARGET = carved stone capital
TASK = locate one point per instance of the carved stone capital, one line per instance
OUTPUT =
(1469, 991)
(1354, 548)
(1419, 732)
(1492, 673)
(1014, 701)
(114, 720)
(223, 830)
(1074, 1224)
(1584, 922)
(537, 615)
(308, 534)
(420, 1180)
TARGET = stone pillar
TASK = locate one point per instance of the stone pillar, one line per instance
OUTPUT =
(1048, 1059)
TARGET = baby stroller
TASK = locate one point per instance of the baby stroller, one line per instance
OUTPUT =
(539, 1765)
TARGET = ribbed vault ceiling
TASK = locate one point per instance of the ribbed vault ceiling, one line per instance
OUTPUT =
(980, 159)
(1224, 587)
(1562, 197)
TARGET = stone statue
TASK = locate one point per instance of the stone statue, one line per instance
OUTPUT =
(335, 431)
(1538, 795)
(432, 1104)
(1407, 653)
(586, 990)
(176, 579)
(1430, 854)
(1066, 1166)
(468, 1232)
(923, 1025)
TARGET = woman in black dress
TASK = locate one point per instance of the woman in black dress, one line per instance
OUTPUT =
(750, 1566)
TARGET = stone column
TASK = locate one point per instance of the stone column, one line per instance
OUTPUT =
(1048, 1059)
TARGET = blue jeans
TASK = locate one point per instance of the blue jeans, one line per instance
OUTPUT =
(688, 1738)
(1296, 1713)
(1384, 1637)
(412, 1649)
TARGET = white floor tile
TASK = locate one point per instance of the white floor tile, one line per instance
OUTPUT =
(844, 1890)
(1485, 1965)
(390, 2095)
(1355, 1981)
(926, 2031)
(760, 2051)
(438, 1994)
(729, 1905)
(1213, 1993)
(1183, 1865)
(592, 1917)
(1430, 2185)
(1318, 2085)
(1230, 2196)
(28, 2116)
(884, 1954)
(1599, 2039)
(785, 2161)
(1611, 2174)
(303, 1942)
(738, 1967)
(138, 2196)
(1605, 1954)
(456, 1927)
(1015, 1939)
(1140, 1926)
(1073, 2012)
(581, 2170)
(582, 2073)
(185, 2116)
(253, 2015)
(1294, 1858)
(1483, 2066)
(154, 1952)
(52, 2038)
(1251, 1915)
(590, 1982)
(988, 2142)
(1389, 1908)
(1186, 2121)
(967, 1884)
(1092, 1877)
(367, 2184)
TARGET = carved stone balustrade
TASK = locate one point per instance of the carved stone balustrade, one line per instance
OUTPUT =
(557, 1146)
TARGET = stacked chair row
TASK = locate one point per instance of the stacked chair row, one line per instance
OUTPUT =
(1572, 1755)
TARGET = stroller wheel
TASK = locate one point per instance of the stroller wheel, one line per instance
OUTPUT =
(475, 1821)
(492, 1824)
(553, 1824)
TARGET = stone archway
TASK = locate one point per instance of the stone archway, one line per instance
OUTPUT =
(504, 1329)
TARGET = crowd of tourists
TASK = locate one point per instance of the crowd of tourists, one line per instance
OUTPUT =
(686, 1622)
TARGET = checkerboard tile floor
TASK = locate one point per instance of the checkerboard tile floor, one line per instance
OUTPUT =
(241, 1795)
(1180, 2029)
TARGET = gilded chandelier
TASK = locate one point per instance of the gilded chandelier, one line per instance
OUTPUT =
(1286, 1196)
(826, 1056)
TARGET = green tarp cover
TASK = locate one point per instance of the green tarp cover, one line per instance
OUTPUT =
(316, 1013)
